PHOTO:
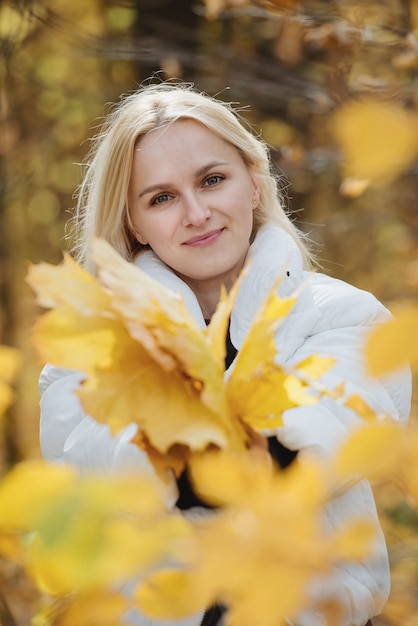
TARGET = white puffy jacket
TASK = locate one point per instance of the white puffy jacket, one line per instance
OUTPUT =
(330, 318)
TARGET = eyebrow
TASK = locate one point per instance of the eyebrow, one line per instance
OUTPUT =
(199, 172)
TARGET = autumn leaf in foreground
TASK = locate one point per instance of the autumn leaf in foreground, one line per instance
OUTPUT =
(87, 533)
(258, 388)
(257, 554)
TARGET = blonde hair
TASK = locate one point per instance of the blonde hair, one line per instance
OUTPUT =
(102, 207)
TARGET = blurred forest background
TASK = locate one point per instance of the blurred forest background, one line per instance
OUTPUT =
(290, 65)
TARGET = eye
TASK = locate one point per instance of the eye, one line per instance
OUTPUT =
(213, 179)
(160, 199)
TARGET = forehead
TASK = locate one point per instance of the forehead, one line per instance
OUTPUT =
(185, 135)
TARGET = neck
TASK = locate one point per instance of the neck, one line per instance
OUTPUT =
(207, 298)
(207, 293)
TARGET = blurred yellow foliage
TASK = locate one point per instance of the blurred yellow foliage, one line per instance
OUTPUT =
(378, 140)
(91, 532)
(96, 607)
(269, 532)
(13, 25)
(394, 344)
(84, 536)
(373, 451)
(10, 362)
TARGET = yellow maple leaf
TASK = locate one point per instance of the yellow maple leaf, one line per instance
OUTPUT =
(259, 347)
(393, 345)
(217, 330)
(360, 406)
(144, 304)
(259, 389)
(167, 406)
(69, 339)
(82, 292)
(314, 366)
(261, 399)
(378, 139)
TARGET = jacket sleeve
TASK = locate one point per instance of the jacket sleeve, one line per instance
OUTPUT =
(344, 316)
(68, 435)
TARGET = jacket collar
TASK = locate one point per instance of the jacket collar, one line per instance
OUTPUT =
(273, 254)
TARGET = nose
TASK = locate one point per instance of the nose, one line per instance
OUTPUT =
(195, 210)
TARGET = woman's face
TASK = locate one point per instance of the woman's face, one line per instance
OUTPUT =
(191, 198)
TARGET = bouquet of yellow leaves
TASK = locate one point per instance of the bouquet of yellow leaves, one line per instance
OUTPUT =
(146, 361)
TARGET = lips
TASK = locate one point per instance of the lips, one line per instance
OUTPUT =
(204, 239)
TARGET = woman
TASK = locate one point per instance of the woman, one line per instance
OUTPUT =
(180, 187)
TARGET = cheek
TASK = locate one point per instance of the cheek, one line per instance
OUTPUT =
(158, 229)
